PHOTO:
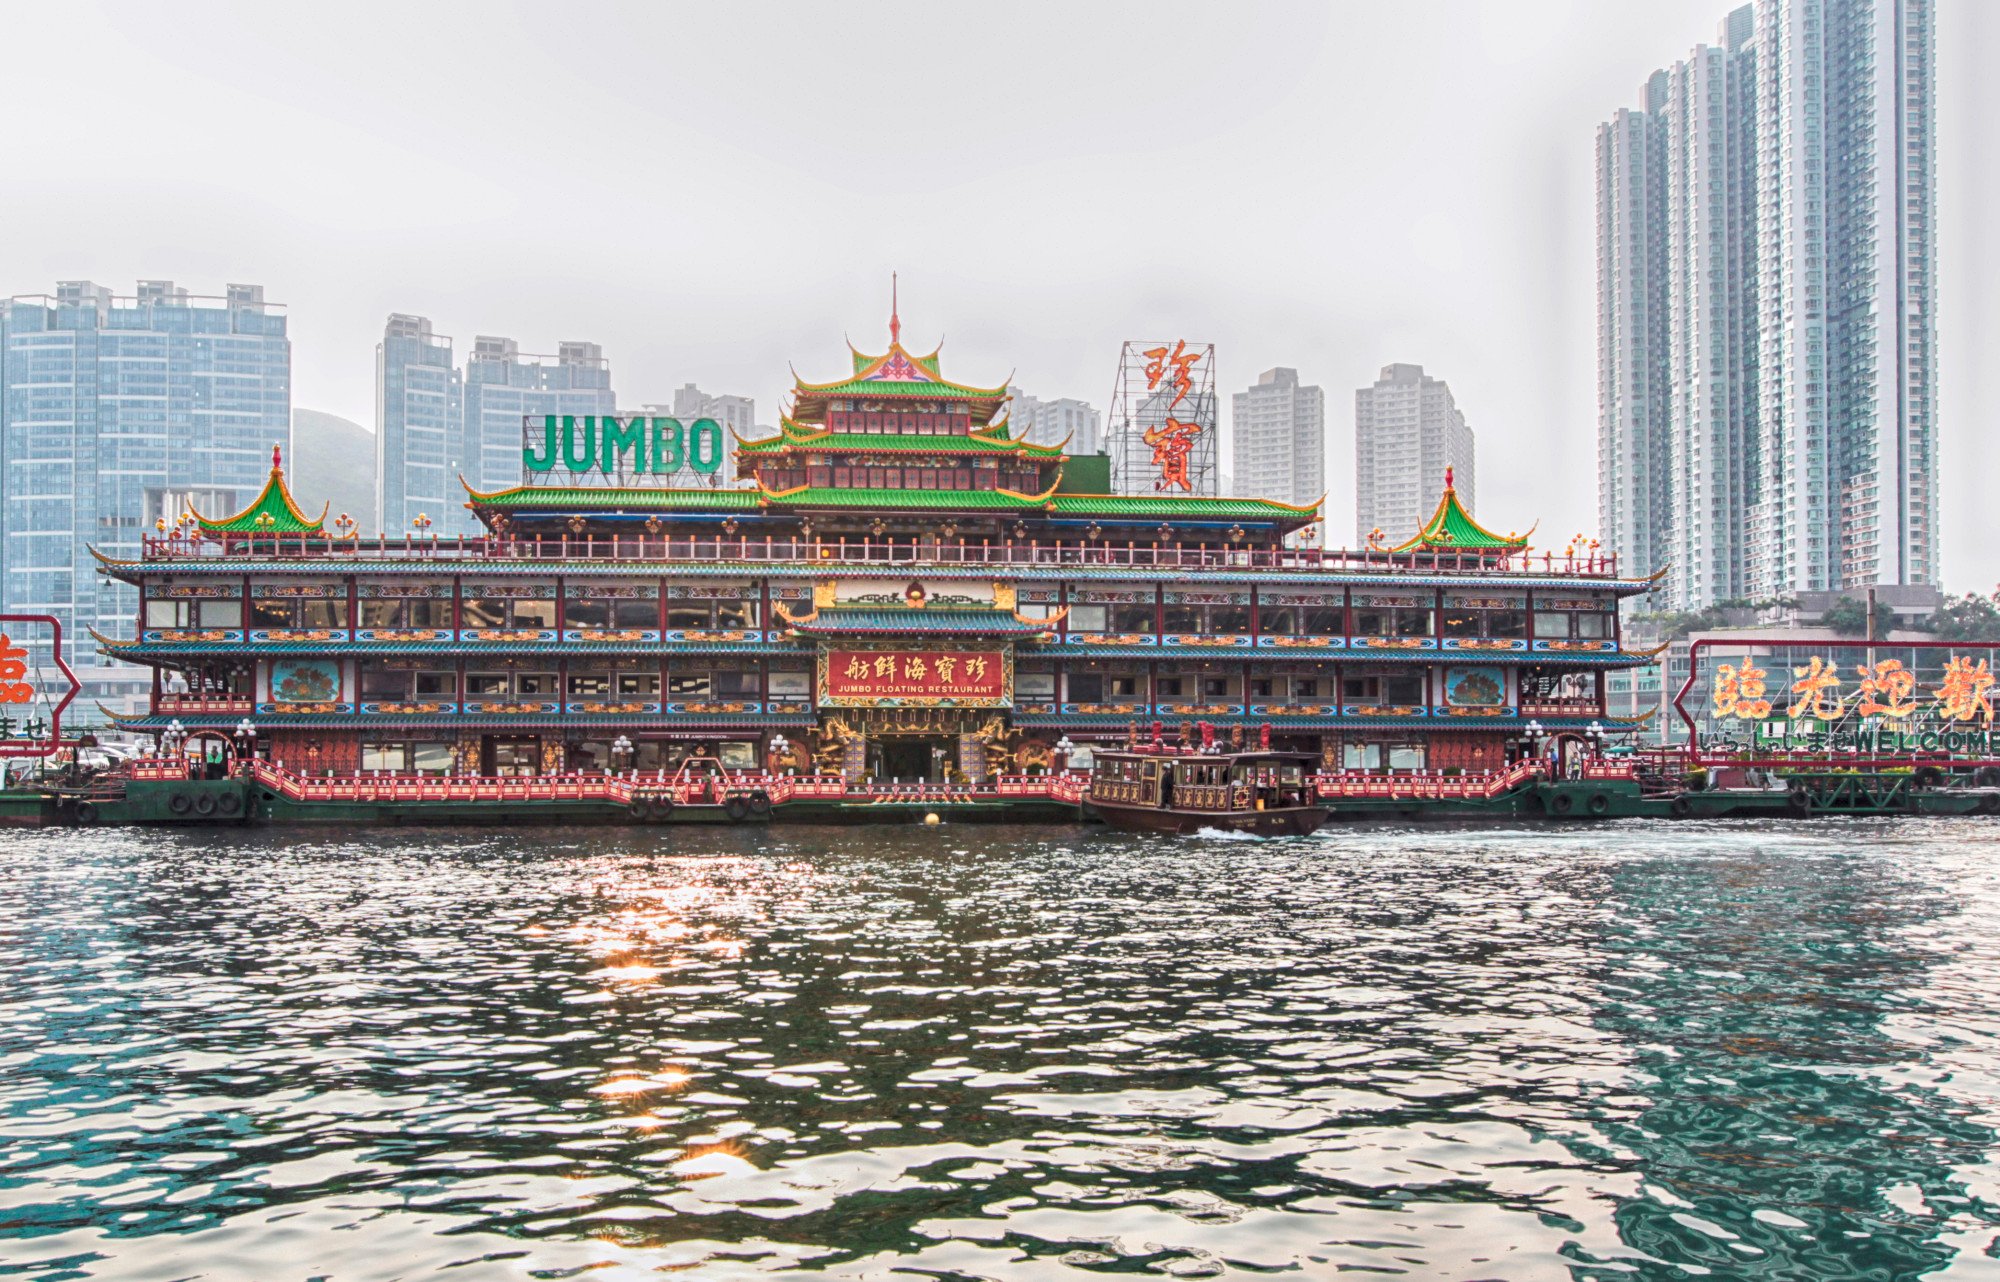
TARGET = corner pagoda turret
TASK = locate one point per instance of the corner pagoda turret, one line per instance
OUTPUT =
(271, 512)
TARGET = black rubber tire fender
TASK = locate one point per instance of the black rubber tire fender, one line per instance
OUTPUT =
(85, 814)
(180, 803)
(229, 805)
(1927, 777)
(640, 809)
(1562, 803)
(737, 808)
(1988, 805)
(760, 803)
(660, 810)
(204, 805)
(1987, 776)
(1599, 803)
(1800, 799)
(1680, 807)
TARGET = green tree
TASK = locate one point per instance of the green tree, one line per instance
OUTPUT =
(1848, 617)
(1971, 617)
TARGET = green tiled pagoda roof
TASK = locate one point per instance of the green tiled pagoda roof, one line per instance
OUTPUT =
(993, 440)
(1142, 506)
(1451, 526)
(898, 373)
(271, 512)
(591, 499)
(1162, 505)
(924, 621)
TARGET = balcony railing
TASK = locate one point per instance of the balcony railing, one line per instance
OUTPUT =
(204, 705)
(866, 551)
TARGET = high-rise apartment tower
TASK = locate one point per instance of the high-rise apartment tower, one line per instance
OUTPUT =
(116, 412)
(1277, 439)
(1766, 268)
(1408, 432)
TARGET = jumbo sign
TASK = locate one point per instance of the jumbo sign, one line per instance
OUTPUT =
(630, 447)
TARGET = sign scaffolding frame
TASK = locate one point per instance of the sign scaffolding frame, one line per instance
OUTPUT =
(1164, 435)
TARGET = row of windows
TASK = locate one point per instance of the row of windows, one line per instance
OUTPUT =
(475, 612)
(1332, 620)
(401, 685)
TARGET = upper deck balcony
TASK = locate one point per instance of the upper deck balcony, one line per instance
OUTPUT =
(752, 551)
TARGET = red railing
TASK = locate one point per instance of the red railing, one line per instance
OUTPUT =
(869, 551)
(1419, 785)
(622, 789)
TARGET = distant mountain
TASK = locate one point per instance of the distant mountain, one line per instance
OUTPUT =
(333, 460)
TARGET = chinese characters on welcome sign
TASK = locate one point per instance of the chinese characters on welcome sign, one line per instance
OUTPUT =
(14, 685)
(16, 688)
(1886, 689)
(1174, 441)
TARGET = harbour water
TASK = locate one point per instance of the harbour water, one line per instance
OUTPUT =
(1624, 1051)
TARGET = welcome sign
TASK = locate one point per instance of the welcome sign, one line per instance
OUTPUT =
(619, 448)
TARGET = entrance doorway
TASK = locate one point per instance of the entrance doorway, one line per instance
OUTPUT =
(909, 757)
(516, 757)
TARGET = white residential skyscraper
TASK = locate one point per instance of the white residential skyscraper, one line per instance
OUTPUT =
(1040, 422)
(1766, 355)
(1407, 432)
(1277, 439)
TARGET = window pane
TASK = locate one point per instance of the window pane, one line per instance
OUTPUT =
(271, 614)
(1132, 618)
(219, 614)
(483, 612)
(1277, 620)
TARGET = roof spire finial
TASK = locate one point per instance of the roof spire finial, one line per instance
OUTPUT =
(895, 320)
(277, 458)
(1447, 476)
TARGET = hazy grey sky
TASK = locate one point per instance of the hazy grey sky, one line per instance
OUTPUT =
(714, 192)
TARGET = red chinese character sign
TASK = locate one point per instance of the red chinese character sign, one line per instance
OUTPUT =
(1172, 442)
(36, 685)
(915, 678)
(1162, 434)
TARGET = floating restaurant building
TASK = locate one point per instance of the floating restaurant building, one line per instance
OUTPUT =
(898, 588)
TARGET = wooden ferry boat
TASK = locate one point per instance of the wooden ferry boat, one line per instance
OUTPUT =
(1265, 793)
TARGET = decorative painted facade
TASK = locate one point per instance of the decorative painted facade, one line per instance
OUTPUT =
(905, 591)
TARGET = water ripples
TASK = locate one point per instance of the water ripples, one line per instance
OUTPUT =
(1623, 1051)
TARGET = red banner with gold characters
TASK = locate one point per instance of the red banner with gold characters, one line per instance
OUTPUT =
(958, 678)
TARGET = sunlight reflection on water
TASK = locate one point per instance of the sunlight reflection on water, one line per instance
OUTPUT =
(1628, 1050)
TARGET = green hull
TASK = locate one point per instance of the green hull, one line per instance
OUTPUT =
(235, 801)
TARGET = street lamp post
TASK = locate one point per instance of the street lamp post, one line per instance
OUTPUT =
(621, 752)
(780, 750)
